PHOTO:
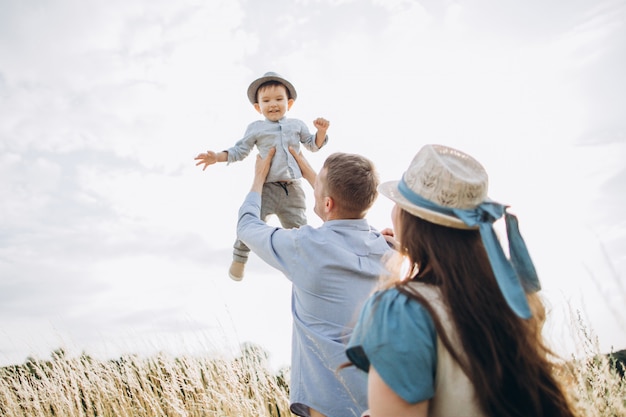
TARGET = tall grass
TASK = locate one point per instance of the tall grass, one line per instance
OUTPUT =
(161, 386)
(189, 386)
(595, 387)
(594, 381)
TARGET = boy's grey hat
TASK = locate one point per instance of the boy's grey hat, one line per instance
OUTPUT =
(269, 76)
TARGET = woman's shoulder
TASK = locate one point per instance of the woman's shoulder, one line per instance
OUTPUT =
(401, 293)
(388, 297)
(397, 334)
(396, 304)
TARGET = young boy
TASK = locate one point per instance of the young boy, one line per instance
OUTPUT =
(272, 96)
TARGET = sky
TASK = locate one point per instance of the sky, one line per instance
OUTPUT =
(113, 242)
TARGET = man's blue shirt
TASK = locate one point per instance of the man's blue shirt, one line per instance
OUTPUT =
(333, 269)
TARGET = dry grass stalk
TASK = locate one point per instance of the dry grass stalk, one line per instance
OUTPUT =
(595, 382)
(132, 387)
(166, 386)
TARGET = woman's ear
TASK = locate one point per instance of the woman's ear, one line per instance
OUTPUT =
(257, 107)
(290, 103)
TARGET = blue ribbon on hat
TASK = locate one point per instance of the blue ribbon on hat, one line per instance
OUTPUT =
(514, 277)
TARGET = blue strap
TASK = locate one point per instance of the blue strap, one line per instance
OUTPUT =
(520, 258)
(508, 273)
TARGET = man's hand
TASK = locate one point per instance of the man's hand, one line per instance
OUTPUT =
(261, 169)
(308, 172)
(208, 158)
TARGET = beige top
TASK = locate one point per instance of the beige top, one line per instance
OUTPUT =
(454, 393)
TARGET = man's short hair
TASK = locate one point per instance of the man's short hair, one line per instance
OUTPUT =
(351, 180)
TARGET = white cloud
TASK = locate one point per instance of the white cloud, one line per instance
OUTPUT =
(105, 104)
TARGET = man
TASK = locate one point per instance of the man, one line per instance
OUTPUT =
(332, 268)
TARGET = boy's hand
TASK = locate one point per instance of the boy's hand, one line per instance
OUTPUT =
(321, 124)
(208, 158)
(261, 169)
(307, 171)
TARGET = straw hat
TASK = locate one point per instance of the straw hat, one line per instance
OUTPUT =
(444, 176)
(448, 187)
(269, 76)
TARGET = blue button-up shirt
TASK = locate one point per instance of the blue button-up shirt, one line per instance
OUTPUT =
(266, 134)
(333, 269)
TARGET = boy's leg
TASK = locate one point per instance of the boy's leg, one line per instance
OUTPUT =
(292, 210)
(270, 199)
(240, 250)
(240, 257)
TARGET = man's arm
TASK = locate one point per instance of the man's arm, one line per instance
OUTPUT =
(307, 171)
(264, 240)
(261, 169)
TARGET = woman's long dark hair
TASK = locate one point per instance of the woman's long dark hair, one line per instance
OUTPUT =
(503, 355)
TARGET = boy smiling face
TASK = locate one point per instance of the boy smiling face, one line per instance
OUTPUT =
(273, 102)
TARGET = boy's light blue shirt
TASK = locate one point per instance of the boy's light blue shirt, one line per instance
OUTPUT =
(333, 269)
(266, 134)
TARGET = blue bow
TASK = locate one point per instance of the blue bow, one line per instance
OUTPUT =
(508, 273)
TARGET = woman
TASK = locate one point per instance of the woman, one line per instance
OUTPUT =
(458, 332)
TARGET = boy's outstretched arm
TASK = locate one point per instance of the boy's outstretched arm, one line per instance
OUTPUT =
(321, 125)
(210, 157)
(308, 172)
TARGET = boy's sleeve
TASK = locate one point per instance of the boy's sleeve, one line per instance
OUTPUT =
(308, 140)
(242, 148)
